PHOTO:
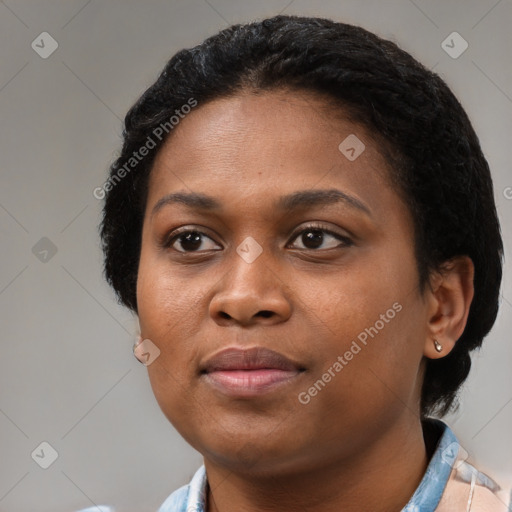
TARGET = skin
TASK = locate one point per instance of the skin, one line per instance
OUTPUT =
(358, 444)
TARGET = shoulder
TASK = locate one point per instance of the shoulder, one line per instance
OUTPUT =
(475, 490)
(190, 497)
(454, 484)
(177, 501)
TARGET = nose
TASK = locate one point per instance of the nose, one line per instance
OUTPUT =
(251, 293)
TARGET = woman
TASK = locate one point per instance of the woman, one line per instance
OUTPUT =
(304, 222)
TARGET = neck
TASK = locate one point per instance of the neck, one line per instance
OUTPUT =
(381, 478)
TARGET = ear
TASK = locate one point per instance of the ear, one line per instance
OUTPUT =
(449, 299)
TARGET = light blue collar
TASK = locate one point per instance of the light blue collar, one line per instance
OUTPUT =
(431, 488)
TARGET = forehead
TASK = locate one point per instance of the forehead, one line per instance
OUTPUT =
(266, 144)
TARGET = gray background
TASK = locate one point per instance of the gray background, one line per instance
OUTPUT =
(67, 372)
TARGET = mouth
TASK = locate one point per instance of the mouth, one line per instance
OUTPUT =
(249, 372)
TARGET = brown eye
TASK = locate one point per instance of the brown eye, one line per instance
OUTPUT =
(315, 237)
(190, 241)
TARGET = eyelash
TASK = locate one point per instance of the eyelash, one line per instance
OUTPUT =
(345, 241)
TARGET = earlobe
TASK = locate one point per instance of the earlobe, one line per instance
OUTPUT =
(451, 293)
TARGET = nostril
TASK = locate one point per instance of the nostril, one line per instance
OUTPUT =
(265, 313)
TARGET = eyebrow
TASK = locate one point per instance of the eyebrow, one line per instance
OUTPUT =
(297, 200)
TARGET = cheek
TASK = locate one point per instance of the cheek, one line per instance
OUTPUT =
(356, 299)
(168, 316)
(372, 319)
(166, 301)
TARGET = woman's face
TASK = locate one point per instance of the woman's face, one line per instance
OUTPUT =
(329, 282)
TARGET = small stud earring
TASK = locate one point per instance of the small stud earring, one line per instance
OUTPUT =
(438, 346)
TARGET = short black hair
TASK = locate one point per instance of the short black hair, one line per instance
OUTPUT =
(433, 153)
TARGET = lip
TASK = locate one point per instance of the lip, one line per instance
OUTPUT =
(249, 372)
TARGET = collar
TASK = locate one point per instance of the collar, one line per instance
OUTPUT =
(192, 497)
(428, 494)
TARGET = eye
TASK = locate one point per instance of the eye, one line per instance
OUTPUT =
(313, 237)
(190, 240)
